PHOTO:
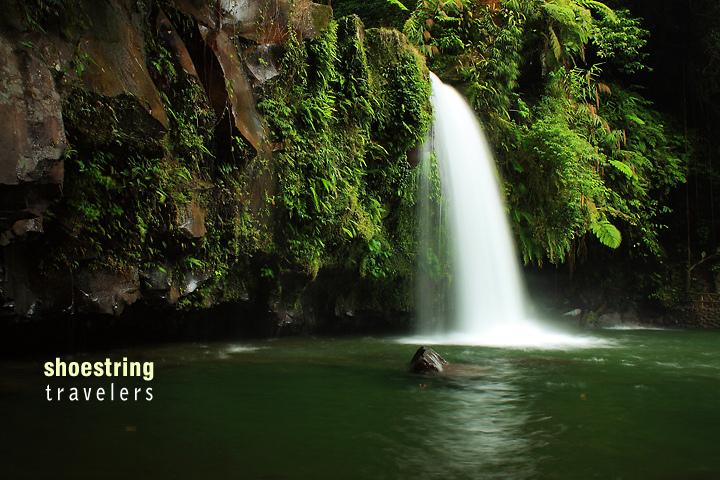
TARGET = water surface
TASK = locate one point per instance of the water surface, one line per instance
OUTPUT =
(646, 407)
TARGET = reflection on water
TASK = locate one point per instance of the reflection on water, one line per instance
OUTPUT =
(469, 428)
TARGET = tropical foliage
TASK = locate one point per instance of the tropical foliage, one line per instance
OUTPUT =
(346, 116)
(583, 153)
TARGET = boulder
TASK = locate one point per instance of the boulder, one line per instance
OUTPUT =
(286, 321)
(288, 312)
(427, 360)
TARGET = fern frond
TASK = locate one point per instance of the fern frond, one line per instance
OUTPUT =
(555, 44)
(634, 118)
(622, 167)
(607, 233)
(599, 6)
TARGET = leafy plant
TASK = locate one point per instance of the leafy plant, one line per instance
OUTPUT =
(549, 79)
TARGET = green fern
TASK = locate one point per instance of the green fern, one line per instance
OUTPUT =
(624, 168)
(634, 118)
(555, 44)
(599, 6)
(607, 233)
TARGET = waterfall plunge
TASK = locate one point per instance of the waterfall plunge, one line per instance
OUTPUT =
(487, 296)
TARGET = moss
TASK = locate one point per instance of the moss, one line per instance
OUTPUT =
(122, 189)
(95, 121)
(347, 108)
(402, 89)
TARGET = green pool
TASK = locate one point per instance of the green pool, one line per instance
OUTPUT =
(647, 406)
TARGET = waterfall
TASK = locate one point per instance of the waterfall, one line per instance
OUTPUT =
(488, 302)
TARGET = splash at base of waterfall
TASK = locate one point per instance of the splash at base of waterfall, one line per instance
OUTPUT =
(525, 335)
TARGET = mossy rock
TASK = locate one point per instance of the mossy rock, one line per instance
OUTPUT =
(400, 79)
(95, 121)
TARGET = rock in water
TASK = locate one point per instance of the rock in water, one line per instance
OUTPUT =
(427, 360)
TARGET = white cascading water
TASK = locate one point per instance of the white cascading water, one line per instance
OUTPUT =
(489, 303)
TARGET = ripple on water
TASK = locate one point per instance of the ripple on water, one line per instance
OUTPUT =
(634, 326)
(241, 349)
(670, 364)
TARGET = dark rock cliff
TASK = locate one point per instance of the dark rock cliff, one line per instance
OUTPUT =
(174, 155)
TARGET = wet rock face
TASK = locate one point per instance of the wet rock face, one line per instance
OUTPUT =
(191, 220)
(238, 87)
(170, 36)
(287, 312)
(115, 54)
(157, 285)
(107, 293)
(21, 229)
(32, 141)
(25, 292)
(427, 360)
(33, 138)
(263, 21)
(263, 61)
